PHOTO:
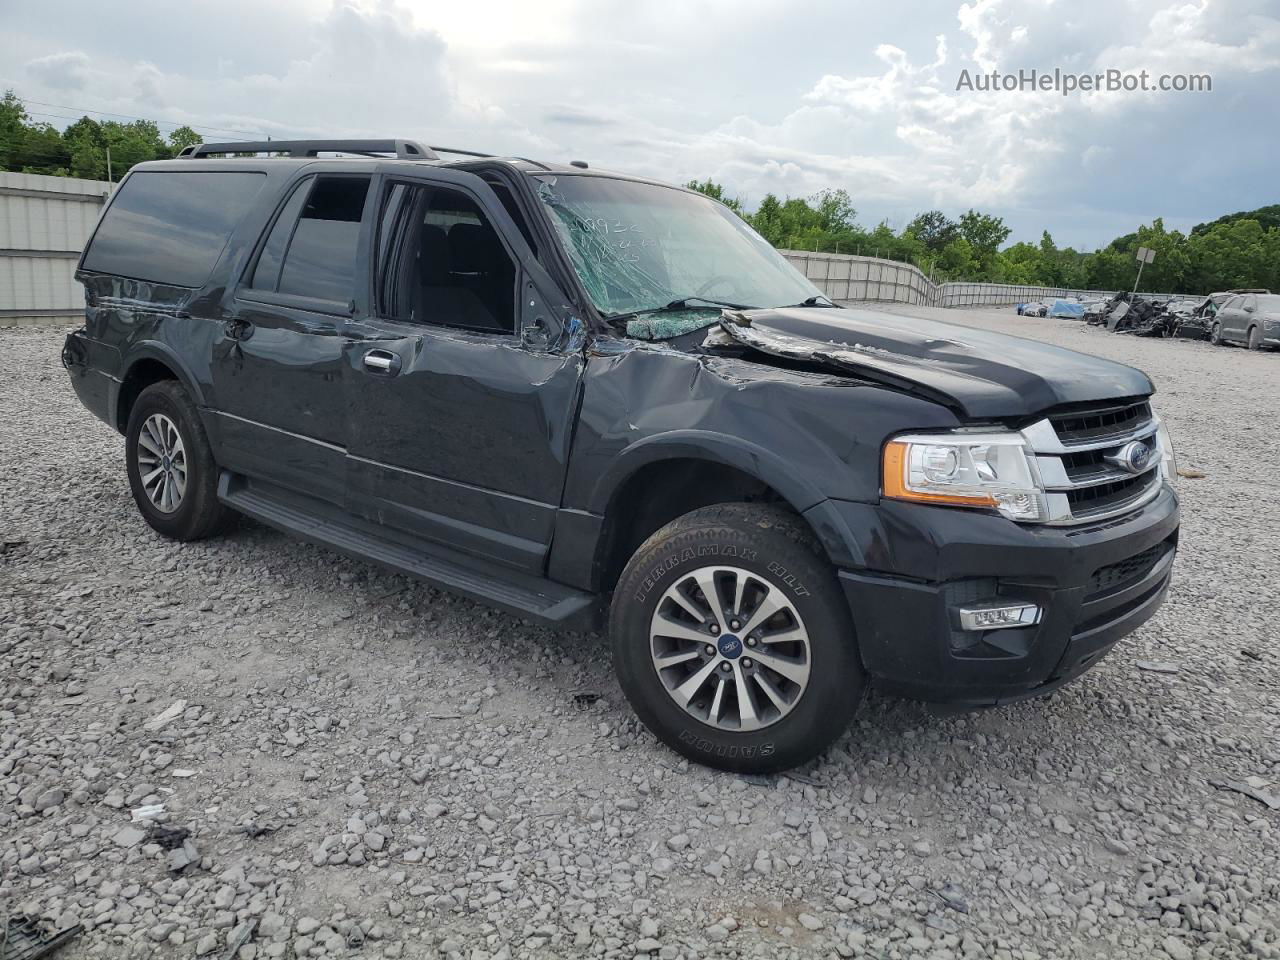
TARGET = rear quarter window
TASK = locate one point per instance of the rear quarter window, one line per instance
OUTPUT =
(171, 227)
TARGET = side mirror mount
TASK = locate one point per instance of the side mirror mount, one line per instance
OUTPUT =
(534, 334)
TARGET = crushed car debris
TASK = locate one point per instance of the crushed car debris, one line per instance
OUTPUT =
(169, 838)
(1251, 787)
(27, 938)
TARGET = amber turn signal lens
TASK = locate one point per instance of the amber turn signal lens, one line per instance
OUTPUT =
(896, 463)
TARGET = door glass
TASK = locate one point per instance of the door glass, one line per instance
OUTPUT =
(266, 275)
(445, 264)
(321, 258)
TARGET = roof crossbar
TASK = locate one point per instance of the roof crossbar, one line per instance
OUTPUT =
(403, 149)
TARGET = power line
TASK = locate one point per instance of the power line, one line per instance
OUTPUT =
(248, 134)
(59, 116)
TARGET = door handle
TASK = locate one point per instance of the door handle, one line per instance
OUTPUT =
(382, 361)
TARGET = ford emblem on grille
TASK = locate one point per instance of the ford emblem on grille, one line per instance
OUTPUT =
(1133, 457)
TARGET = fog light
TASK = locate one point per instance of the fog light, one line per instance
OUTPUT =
(999, 616)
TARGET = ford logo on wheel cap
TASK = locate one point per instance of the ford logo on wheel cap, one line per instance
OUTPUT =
(730, 647)
(1134, 457)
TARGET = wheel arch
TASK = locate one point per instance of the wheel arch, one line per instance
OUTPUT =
(665, 477)
(150, 364)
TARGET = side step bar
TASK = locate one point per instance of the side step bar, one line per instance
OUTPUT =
(322, 524)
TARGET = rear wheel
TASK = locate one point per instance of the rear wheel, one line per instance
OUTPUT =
(171, 470)
(1215, 334)
(732, 640)
(1255, 338)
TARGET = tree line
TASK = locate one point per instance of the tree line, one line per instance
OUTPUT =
(1239, 250)
(87, 148)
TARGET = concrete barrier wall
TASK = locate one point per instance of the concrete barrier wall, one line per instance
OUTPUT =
(46, 221)
(44, 224)
(849, 278)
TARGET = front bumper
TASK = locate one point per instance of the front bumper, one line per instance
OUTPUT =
(1094, 585)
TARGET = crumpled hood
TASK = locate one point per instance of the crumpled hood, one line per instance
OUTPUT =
(979, 373)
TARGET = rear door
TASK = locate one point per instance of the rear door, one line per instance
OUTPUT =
(277, 367)
(463, 385)
(1230, 318)
(1248, 311)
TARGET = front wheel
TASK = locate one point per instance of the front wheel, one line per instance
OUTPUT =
(733, 642)
(1215, 334)
(1255, 338)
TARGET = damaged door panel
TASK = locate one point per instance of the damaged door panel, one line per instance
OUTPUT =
(458, 377)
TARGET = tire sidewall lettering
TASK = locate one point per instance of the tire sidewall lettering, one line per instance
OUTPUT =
(723, 551)
(728, 750)
(787, 579)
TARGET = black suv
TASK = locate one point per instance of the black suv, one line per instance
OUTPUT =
(567, 392)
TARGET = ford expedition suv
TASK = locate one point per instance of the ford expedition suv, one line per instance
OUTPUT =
(585, 398)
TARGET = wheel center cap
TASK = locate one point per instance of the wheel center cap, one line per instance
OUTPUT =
(730, 647)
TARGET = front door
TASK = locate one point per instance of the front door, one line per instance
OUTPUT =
(461, 388)
(277, 368)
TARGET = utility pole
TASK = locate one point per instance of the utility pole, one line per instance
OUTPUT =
(109, 180)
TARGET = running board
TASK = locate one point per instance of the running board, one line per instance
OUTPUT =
(327, 526)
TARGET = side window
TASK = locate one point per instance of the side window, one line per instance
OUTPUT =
(441, 262)
(503, 193)
(311, 250)
(266, 274)
(171, 227)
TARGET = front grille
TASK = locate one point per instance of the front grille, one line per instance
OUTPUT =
(1102, 497)
(1082, 461)
(1133, 568)
(1100, 423)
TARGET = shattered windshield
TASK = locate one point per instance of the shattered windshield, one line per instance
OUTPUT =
(639, 248)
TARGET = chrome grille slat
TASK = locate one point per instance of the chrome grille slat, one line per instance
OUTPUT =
(1073, 469)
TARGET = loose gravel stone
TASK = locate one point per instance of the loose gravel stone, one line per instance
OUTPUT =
(426, 784)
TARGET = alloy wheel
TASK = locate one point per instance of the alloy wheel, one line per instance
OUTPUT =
(162, 463)
(730, 648)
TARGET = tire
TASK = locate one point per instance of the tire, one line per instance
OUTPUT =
(1215, 334)
(774, 556)
(1255, 339)
(178, 510)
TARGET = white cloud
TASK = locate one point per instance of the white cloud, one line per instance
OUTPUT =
(60, 71)
(753, 93)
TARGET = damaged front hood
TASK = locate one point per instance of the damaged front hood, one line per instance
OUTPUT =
(980, 374)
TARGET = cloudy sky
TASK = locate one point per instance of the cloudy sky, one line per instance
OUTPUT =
(761, 96)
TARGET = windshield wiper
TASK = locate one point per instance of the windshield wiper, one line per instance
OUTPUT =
(811, 302)
(683, 303)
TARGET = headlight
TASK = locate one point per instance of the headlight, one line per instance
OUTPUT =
(967, 470)
(1168, 464)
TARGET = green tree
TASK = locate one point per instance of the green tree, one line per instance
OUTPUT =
(708, 187)
(934, 229)
(186, 137)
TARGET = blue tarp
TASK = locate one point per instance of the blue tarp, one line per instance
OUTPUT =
(1072, 311)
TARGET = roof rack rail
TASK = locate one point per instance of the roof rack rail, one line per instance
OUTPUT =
(403, 149)
(461, 153)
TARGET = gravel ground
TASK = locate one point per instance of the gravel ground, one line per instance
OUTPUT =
(369, 767)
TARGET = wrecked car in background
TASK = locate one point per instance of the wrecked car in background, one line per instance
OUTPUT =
(577, 395)
(1250, 318)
